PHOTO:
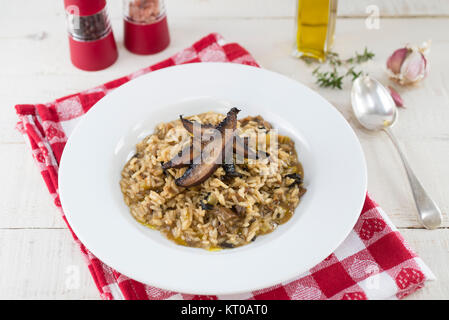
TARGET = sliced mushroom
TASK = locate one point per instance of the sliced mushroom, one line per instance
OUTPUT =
(182, 159)
(201, 169)
(185, 157)
(240, 145)
(189, 126)
(230, 170)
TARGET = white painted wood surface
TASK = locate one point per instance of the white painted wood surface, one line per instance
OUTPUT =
(37, 256)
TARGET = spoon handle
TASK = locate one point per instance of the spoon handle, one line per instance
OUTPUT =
(428, 212)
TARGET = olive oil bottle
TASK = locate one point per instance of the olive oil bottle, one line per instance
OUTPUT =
(315, 28)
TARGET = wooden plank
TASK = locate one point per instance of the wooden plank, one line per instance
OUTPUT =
(433, 248)
(43, 264)
(388, 8)
(422, 127)
(286, 8)
(49, 265)
(35, 68)
(232, 9)
(25, 202)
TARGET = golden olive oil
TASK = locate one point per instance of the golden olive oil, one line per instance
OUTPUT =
(315, 28)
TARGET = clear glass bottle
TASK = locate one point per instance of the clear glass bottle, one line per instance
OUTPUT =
(315, 28)
(145, 26)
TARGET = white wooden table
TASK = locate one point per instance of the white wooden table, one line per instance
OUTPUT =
(38, 258)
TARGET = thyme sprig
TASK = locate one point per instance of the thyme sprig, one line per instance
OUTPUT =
(328, 79)
(331, 78)
(361, 57)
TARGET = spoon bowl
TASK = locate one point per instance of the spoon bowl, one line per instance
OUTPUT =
(372, 104)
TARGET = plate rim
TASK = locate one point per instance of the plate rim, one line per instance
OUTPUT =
(80, 236)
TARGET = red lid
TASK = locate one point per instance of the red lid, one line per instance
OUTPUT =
(86, 7)
(93, 55)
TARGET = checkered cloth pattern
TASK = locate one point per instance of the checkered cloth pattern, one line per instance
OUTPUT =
(374, 262)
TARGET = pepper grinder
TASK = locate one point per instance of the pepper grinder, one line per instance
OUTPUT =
(91, 40)
(145, 26)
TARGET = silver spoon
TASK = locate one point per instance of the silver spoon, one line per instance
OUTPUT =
(374, 108)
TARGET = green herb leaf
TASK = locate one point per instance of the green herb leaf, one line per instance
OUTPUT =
(353, 73)
(332, 79)
(329, 79)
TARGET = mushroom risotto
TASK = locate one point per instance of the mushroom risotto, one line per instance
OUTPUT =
(223, 203)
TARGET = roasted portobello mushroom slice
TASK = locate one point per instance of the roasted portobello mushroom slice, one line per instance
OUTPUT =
(189, 126)
(182, 159)
(201, 169)
(240, 145)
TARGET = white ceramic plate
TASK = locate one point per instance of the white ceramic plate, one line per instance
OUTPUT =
(334, 165)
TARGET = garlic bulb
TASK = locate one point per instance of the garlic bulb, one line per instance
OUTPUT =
(409, 65)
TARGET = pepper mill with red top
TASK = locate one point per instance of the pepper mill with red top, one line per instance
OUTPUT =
(91, 41)
(145, 26)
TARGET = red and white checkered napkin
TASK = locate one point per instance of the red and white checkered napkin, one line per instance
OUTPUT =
(374, 262)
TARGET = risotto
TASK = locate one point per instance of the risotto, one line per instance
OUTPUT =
(230, 208)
